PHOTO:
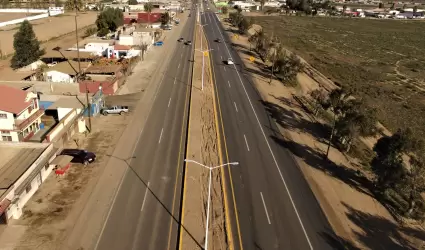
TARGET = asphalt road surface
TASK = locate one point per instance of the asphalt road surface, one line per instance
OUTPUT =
(145, 212)
(275, 206)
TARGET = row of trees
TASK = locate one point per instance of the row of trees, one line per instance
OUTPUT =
(399, 162)
(284, 65)
(240, 21)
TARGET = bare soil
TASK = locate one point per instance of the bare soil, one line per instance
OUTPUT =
(202, 147)
(340, 185)
(47, 28)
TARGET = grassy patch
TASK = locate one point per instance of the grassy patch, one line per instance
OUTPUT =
(382, 60)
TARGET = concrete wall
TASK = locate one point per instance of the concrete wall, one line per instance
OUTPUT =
(15, 209)
(52, 135)
(20, 20)
(62, 112)
(6, 123)
(23, 10)
(56, 76)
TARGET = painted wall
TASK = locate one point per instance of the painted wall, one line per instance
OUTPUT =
(20, 20)
(62, 112)
(7, 123)
(56, 76)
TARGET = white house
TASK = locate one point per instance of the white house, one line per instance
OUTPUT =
(24, 167)
(20, 115)
(64, 72)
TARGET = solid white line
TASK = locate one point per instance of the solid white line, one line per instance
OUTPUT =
(181, 55)
(270, 149)
(265, 208)
(178, 66)
(224, 68)
(169, 102)
(144, 198)
(221, 57)
(246, 142)
(236, 107)
(228, 83)
(160, 136)
(175, 80)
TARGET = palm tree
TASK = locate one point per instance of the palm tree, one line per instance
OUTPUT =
(148, 8)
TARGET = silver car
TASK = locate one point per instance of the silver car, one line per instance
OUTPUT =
(115, 110)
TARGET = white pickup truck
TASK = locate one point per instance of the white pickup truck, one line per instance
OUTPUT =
(115, 110)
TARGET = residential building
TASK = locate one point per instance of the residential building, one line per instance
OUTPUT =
(20, 115)
(23, 168)
(65, 72)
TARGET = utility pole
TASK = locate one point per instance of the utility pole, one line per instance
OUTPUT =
(79, 66)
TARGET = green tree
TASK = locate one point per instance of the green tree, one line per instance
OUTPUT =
(72, 4)
(392, 6)
(132, 2)
(58, 3)
(381, 5)
(287, 67)
(165, 18)
(244, 25)
(344, 8)
(90, 31)
(148, 8)
(26, 45)
(224, 10)
(4, 3)
(109, 20)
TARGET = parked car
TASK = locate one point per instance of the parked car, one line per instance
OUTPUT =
(115, 110)
(80, 155)
(230, 61)
(181, 39)
(159, 43)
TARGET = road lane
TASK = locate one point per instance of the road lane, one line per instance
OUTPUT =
(155, 161)
(297, 221)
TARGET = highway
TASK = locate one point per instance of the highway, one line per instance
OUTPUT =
(271, 204)
(145, 211)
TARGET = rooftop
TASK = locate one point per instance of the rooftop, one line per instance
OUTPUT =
(69, 67)
(67, 54)
(121, 47)
(16, 159)
(13, 100)
(8, 74)
(74, 102)
(98, 69)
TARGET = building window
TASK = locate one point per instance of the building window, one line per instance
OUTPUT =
(35, 104)
(3, 116)
(5, 132)
(6, 138)
(28, 188)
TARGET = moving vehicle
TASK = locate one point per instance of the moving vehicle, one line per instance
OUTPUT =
(218, 40)
(230, 61)
(188, 42)
(181, 39)
(115, 110)
(159, 43)
(80, 155)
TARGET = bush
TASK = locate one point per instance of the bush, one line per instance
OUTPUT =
(90, 31)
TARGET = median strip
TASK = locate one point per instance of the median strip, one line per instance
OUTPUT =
(202, 147)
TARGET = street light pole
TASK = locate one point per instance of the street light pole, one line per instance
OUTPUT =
(79, 65)
(203, 64)
(209, 192)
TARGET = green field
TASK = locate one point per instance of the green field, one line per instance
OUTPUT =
(383, 60)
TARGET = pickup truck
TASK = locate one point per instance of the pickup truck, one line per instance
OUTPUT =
(115, 110)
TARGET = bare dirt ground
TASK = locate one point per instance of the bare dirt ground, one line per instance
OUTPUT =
(358, 218)
(202, 147)
(47, 28)
(54, 208)
(4, 17)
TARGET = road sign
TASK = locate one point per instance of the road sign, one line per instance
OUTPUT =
(251, 58)
(206, 53)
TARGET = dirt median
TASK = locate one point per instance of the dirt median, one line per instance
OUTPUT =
(203, 148)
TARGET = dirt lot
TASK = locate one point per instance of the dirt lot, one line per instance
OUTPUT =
(46, 28)
(342, 190)
(382, 60)
(12, 16)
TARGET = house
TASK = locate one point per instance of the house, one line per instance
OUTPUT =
(20, 115)
(52, 56)
(117, 51)
(143, 17)
(105, 78)
(23, 168)
(65, 72)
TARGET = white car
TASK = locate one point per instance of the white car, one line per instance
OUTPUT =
(230, 61)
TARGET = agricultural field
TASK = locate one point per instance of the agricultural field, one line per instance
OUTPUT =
(383, 61)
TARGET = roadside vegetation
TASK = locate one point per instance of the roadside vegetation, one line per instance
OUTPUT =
(108, 21)
(377, 78)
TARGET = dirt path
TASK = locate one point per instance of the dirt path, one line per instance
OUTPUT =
(359, 220)
(202, 147)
